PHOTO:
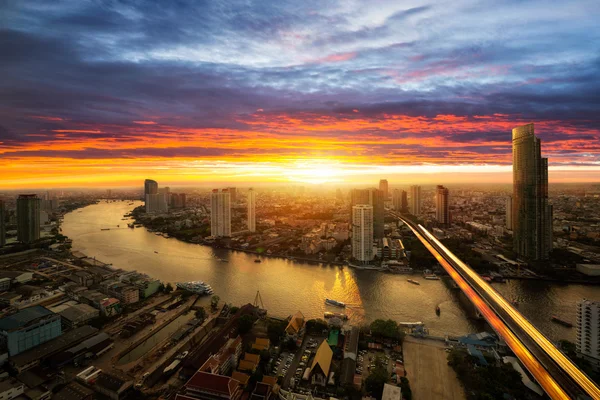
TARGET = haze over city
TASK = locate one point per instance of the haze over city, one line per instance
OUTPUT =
(108, 93)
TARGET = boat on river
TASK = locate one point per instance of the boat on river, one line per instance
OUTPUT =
(335, 303)
(560, 321)
(197, 287)
(432, 277)
(413, 281)
(437, 310)
(341, 316)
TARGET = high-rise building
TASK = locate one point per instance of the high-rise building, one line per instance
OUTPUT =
(396, 199)
(509, 217)
(531, 213)
(109, 193)
(374, 198)
(362, 232)
(403, 201)
(251, 210)
(588, 331)
(220, 213)
(442, 214)
(150, 187)
(2, 224)
(28, 218)
(415, 200)
(383, 186)
(233, 194)
(177, 200)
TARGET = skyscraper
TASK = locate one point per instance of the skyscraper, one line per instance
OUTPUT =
(28, 218)
(374, 198)
(2, 224)
(588, 331)
(251, 210)
(150, 187)
(383, 186)
(397, 199)
(531, 213)
(442, 213)
(220, 213)
(509, 223)
(404, 201)
(232, 194)
(362, 232)
(415, 200)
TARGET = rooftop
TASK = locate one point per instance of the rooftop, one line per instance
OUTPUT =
(213, 383)
(23, 318)
(322, 358)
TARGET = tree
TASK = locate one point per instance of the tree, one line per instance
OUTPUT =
(168, 288)
(375, 381)
(245, 324)
(387, 329)
(265, 356)
(161, 287)
(316, 325)
(234, 309)
(214, 302)
(275, 331)
(201, 313)
(405, 386)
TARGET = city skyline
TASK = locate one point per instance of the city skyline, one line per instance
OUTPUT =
(304, 93)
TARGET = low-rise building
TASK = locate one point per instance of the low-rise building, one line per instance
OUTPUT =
(391, 392)
(74, 391)
(78, 315)
(320, 368)
(11, 388)
(206, 386)
(28, 328)
(114, 385)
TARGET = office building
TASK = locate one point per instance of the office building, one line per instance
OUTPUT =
(588, 332)
(251, 210)
(151, 195)
(109, 193)
(397, 200)
(220, 213)
(415, 200)
(2, 224)
(531, 213)
(374, 198)
(28, 328)
(362, 232)
(509, 224)
(232, 194)
(28, 218)
(383, 186)
(442, 214)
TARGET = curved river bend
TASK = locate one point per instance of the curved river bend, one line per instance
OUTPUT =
(287, 286)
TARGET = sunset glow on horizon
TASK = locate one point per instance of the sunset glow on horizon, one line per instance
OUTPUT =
(294, 93)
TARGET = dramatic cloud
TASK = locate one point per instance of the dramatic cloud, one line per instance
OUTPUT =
(105, 89)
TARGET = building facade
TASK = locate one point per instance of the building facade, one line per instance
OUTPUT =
(588, 332)
(362, 233)
(2, 224)
(442, 213)
(509, 217)
(531, 212)
(251, 210)
(374, 198)
(383, 186)
(220, 213)
(415, 200)
(397, 199)
(28, 218)
(28, 328)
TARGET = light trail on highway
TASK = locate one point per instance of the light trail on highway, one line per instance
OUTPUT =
(460, 272)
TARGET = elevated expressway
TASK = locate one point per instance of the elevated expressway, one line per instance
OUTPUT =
(555, 373)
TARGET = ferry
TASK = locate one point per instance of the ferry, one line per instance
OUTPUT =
(335, 303)
(130, 225)
(413, 281)
(335, 315)
(437, 310)
(432, 277)
(105, 229)
(561, 321)
(197, 287)
(257, 260)
(158, 233)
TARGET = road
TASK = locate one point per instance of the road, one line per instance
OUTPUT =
(559, 377)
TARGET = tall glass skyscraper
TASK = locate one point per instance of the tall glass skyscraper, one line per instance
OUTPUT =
(362, 232)
(442, 213)
(531, 213)
(374, 198)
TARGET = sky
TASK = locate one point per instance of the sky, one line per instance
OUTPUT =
(107, 93)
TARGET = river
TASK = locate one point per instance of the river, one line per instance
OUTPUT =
(289, 286)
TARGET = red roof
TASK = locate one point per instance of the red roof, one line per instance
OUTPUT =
(204, 381)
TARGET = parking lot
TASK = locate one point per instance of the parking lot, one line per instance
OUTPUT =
(292, 365)
(366, 359)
